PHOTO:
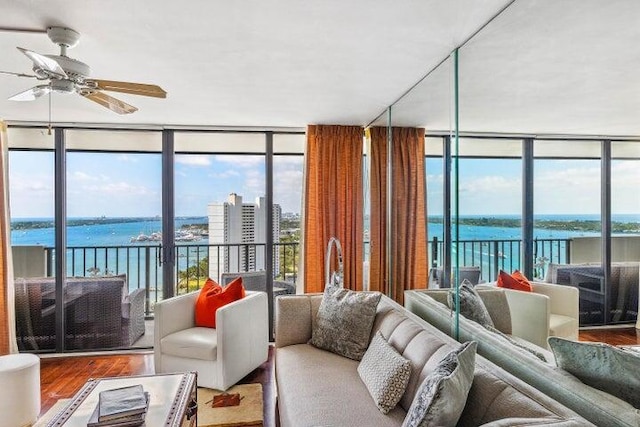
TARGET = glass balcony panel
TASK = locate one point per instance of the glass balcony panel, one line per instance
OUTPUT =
(567, 226)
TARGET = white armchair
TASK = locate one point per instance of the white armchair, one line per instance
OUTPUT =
(221, 356)
(560, 303)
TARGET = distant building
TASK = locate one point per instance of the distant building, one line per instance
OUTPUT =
(239, 224)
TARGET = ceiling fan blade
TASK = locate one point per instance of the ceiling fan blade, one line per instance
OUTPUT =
(11, 73)
(109, 102)
(127, 87)
(45, 63)
(31, 94)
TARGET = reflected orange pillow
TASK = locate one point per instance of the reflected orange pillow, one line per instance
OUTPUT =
(212, 297)
(516, 281)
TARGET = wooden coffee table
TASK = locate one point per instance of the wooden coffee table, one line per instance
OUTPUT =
(172, 401)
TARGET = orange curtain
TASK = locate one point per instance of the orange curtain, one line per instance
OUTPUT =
(408, 212)
(333, 205)
(7, 322)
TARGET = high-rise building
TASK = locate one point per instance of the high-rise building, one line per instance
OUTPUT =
(242, 228)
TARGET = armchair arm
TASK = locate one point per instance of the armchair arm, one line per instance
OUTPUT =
(243, 337)
(564, 299)
(530, 314)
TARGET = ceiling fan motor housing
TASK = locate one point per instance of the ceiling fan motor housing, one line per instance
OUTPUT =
(76, 70)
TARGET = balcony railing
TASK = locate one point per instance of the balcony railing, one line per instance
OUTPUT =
(142, 264)
(495, 255)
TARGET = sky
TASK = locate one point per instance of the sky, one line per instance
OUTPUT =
(124, 184)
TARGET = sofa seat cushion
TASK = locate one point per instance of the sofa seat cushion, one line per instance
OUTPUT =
(562, 326)
(194, 343)
(325, 389)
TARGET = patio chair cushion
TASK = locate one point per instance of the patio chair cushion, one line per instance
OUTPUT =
(213, 296)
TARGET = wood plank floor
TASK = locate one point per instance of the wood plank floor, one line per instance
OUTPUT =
(62, 377)
(617, 336)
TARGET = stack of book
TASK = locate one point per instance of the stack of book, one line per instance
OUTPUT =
(120, 407)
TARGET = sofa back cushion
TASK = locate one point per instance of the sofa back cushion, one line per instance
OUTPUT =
(420, 346)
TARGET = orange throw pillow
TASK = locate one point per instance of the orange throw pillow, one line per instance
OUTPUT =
(212, 297)
(516, 281)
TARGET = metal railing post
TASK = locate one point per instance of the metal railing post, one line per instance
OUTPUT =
(495, 258)
(147, 280)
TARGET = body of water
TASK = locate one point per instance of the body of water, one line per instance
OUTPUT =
(132, 262)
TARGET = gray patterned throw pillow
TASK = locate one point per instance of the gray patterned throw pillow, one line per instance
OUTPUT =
(442, 396)
(602, 366)
(471, 305)
(344, 321)
(385, 373)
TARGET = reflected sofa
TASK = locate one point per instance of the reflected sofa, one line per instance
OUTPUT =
(100, 313)
(316, 387)
(598, 407)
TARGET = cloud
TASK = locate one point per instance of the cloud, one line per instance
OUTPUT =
(127, 158)
(287, 189)
(82, 176)
(241, 161)
(193, 159)
(119, 189)
(225, 174)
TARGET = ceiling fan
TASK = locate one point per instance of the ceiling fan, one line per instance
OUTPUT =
(67, 75)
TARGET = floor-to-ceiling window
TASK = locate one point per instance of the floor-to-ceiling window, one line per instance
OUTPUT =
(31, 191)
(567, 220)
(435, 202)
(490, 205)
(288, 163)
(114, 207)
(220, 205)
(625, 231)
(113, 204)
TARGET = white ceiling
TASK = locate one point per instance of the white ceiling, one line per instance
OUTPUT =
(284, 63)
(541, 67)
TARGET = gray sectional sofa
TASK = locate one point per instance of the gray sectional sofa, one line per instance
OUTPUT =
(597, 406)
(319, 388)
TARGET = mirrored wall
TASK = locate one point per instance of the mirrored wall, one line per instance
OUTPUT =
(530, 155)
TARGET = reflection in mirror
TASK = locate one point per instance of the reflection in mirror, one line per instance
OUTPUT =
(428, 107)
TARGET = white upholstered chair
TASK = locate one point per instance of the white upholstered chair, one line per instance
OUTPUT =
(221, 356)
(560, 303)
